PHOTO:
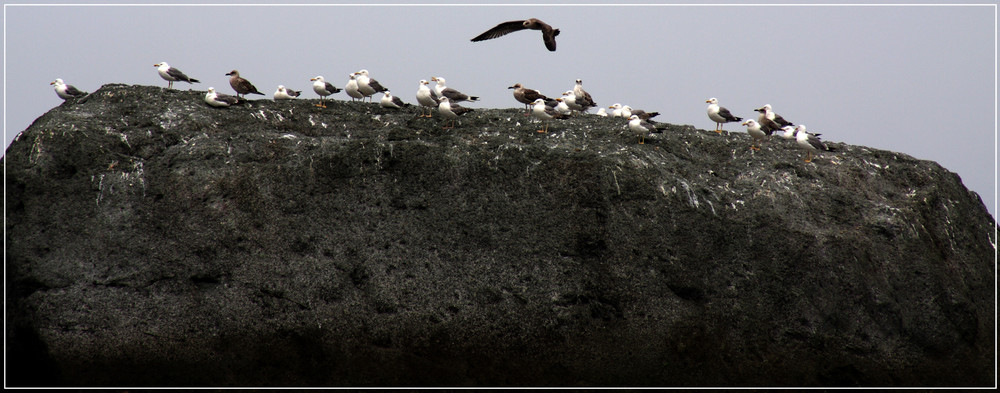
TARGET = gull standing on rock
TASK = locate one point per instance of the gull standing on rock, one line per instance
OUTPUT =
(285, 94)
(368, 86)
(808, 142)
(241, 85)
(219, 99)
(582, 97)
(544, 113)
(548, 33)
(452, 94)
(753, 128)
(719, 114)
(789, 132)
(526, 96)
(642, 127)
(171, 74)
(451, 111)
(65, 91)
(427, 99)
(323, 88)
(770, 121)
(352, 87)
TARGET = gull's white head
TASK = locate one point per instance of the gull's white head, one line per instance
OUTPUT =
(579, 81)
(211, 90)
(58, 82)
(750, 123)
(162, 65)
(712, 100)
(318, 78)
(615, 106)
(633, 117)
(439, 80)
(362, 72)
(424, 82)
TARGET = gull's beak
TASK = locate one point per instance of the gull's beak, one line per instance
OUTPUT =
(52, 83)
(708, 100)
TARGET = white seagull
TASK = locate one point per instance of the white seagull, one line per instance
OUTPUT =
(602, 112)
(789, 132)
(719, 114)
(544, 113)
(808, 142)
(368, 86)
(65, 91)
(171, 74)
(427, 99)
(616, 110)
(352, 87)
(452, 94)
(219, 99)
(642, 127)
(451, 111)
(285, 94)
(388, 101)
(323, 88)
(753, 128)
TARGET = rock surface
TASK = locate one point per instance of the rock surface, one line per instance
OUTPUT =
(153, 240)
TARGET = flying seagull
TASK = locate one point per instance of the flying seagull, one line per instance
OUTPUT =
(171, 74)
(548, 33)
(66, 91)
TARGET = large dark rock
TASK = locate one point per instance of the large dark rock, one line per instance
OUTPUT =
(154, 240)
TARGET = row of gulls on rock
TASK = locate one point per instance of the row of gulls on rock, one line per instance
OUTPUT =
(619, 110)
(768, 123)
(545, 108)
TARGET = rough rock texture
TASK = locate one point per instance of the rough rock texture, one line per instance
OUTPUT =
(154, 240)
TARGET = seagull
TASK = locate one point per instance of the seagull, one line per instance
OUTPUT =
(809, 142)
(789, 132)
(602, 112)
(285, 94)
(642, 127)
(242, 86)
(323, 88)
(753, 128)
(768, 113)
(548, 33)
(66, 91)
(526, 96)
(388, 101)
(171, 74)
(719, 114)
(352, 87)
(368, 86)
(451, 111)
(570, 100)
(452, 94)
(582, 97)
(426, 98)
(616, 110)
(562, 107)
(219, 99)
(544, 113)
(642, 114)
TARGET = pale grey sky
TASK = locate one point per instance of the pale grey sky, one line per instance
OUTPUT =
(916, 79)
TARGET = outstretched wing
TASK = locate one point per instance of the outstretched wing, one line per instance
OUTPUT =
(501, 30)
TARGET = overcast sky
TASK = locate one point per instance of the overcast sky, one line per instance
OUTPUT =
(920, 80)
